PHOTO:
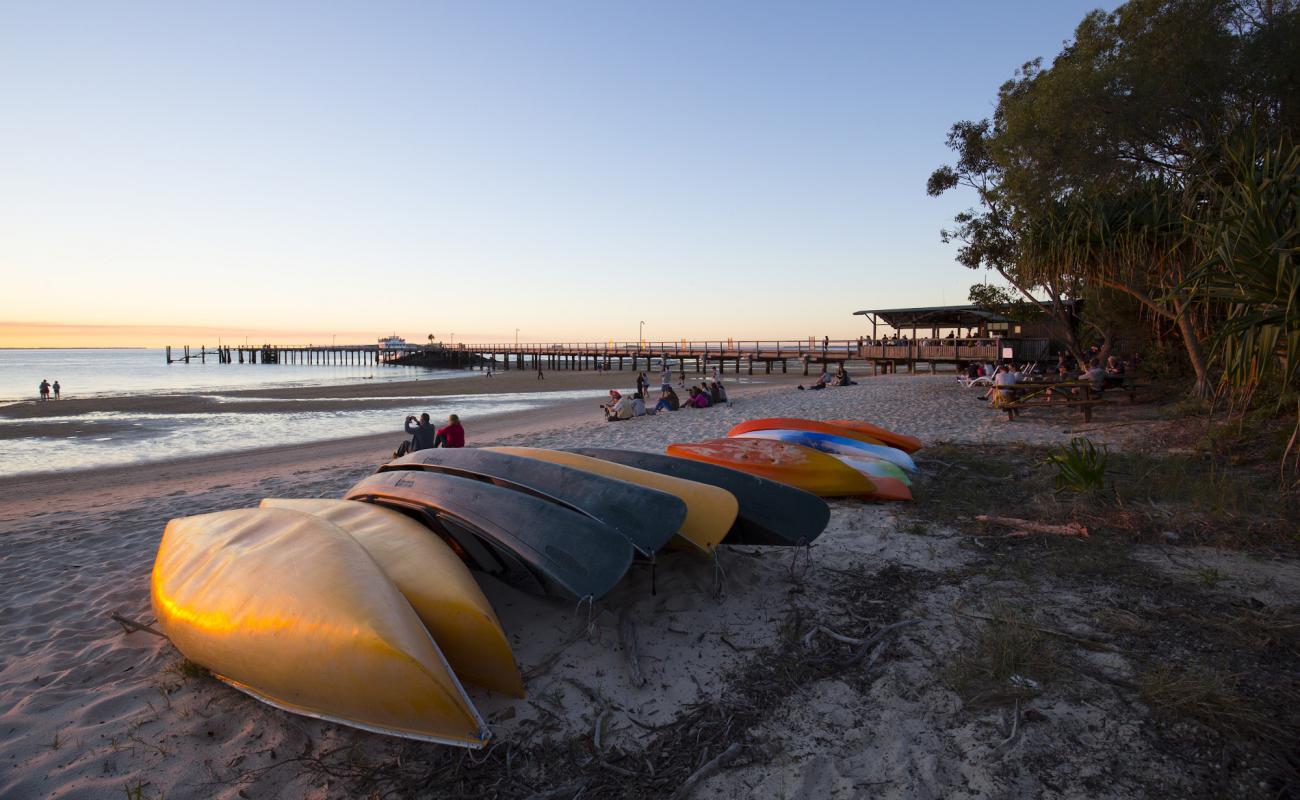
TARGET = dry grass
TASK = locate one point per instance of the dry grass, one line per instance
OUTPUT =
(1004, 660)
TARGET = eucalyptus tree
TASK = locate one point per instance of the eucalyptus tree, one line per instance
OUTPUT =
(1081, 171)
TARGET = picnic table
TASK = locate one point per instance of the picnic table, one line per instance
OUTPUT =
(1051, 394)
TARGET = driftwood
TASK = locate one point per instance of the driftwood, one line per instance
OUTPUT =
(876, 637)
(131, 626)
(698, 776)
(1024, 527)
(627, 635)
(1091, 644)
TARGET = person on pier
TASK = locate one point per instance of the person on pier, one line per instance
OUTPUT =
(422, 432)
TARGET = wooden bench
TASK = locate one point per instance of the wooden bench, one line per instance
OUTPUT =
(1015, 406)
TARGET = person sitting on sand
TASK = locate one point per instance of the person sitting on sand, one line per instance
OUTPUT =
(668, 400)
(842, 377)
(638, 405)
(58, 389)
(701, 398)
(614, 396)
(619, 410)
(453, 435)
(422, 432)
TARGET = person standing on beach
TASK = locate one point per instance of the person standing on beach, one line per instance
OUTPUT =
(422, 432)
(666, 377)
(56, 390)
(44, 389)
(642, 383)
(540, 376)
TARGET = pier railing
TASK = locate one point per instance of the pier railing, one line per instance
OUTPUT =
(577, 355)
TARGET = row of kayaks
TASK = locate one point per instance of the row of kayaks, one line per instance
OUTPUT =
(367, 614)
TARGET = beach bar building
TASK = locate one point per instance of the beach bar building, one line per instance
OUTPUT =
(954, 334)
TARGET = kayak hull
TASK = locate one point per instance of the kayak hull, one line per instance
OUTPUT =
(801, 467)
(839, 445)
(770, 513)
(435, 582)
(523, 540)
(648, 518)
(292, 610)
(710, 511)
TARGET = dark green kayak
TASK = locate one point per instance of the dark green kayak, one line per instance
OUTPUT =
(646, 517)
(528, 542)
(770, 513)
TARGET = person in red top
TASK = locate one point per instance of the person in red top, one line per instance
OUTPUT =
(451, 436)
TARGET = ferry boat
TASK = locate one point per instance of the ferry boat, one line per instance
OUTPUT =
(394, 342)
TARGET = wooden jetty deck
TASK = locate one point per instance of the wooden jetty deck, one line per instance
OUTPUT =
(701, 355)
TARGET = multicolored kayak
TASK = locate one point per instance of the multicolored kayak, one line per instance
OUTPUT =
(839, 445)
(908, 444)
(710, 511)
(853, 429)
(289, 608)
(435, 581)
(806, 439)
(887, 486)
(801, 467)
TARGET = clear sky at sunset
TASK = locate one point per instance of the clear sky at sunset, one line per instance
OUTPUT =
(170, 172)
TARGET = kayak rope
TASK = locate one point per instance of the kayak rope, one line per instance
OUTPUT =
(719, 577)
(590, 627)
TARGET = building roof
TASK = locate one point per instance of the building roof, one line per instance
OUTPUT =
(933, 316)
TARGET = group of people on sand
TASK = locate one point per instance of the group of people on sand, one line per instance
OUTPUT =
(46, 388)
(840, 378)
(424, 434)
(622, 407)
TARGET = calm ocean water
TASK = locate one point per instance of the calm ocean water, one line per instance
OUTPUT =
(111, 438)
(101, 372)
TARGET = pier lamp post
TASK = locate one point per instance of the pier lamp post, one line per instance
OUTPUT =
(640, 336)
(516, 338)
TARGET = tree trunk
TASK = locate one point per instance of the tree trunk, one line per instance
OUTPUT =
(1195, 352)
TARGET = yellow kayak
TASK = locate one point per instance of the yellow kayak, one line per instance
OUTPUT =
(292, 610)
(435, 581)
(710, 511)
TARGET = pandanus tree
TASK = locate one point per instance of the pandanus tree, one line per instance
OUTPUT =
(1248, 232)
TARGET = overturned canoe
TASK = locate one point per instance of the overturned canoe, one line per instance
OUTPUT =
(817, 440)
(896, 460)
(292, 610)
(436, 583)
(770, 513)
(908, 444)
(710, 511)
(801, 467)
(646, 517)
(525, 541)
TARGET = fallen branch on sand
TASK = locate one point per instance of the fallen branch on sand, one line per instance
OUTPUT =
(1024, 527)
(876, 637)
(698, 776)
(627, 635)
(839, 637)
(131, 626)
(1091, 644)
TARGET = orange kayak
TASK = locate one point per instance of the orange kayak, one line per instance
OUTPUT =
(791, 464)
(908, 444)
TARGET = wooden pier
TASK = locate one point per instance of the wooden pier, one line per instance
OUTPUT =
(700, 355)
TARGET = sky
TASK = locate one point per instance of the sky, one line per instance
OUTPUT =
(171, 173)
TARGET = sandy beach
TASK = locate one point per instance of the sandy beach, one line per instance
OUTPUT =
(88, 711)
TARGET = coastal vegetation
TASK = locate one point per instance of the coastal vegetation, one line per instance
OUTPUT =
(1152, 171)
